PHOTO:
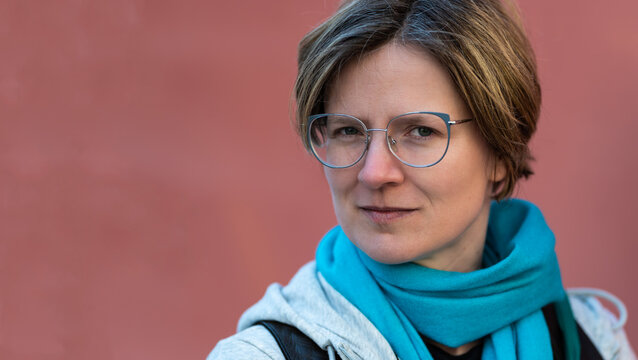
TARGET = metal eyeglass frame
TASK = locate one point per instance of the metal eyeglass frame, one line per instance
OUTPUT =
(445, 117)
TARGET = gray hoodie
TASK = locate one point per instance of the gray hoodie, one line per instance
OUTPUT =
(313, 306)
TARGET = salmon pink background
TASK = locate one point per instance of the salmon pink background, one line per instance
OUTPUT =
(151, 185)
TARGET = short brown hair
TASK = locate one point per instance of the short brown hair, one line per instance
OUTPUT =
(483, 48)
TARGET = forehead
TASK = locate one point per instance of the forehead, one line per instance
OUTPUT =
(392, 80)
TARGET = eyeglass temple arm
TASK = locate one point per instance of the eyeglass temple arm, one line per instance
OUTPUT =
(455, 122)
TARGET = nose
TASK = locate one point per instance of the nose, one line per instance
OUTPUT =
(380, 167)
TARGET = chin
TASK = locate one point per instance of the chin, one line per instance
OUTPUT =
(385, 248)
(389, 259)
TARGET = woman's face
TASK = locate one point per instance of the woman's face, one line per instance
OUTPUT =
(434, 216)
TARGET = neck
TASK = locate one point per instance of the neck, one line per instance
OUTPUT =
(457, 350)
(465, 253)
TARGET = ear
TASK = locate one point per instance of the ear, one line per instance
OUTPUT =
(498, 171)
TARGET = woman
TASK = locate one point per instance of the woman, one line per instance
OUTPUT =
(421, 112)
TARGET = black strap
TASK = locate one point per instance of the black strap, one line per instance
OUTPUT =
(293, 343)
(587, 349)
(296, 345)
(555, 333)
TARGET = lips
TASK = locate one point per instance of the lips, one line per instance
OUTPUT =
(386, 215)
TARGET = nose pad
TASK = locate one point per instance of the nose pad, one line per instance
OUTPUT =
(380, 166)
(369, 141)
(388, 140)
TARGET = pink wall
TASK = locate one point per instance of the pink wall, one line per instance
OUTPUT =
(152, 186)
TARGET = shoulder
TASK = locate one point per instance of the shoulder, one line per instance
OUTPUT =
(317, 310)
(253, 343)
(256, 342)
(601, 325)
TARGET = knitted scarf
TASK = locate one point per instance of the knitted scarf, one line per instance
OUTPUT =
(501, 302)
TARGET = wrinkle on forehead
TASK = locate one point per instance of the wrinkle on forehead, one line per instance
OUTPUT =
(372, 75)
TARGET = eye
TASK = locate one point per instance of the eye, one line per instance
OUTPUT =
(345, 132)
(348, 130)
(422, 131)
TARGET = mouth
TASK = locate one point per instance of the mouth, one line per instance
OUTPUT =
(386, 215)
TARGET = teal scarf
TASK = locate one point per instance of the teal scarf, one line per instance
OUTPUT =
(501, 302)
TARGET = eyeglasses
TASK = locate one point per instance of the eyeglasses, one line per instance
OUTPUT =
(419, 139)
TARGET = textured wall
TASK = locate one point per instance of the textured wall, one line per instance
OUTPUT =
(151, 185)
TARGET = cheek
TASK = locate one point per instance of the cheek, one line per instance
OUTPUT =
(462, 175)
(341, 183)
(341, 189)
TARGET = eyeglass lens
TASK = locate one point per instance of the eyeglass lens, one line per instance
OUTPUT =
(417, 139)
